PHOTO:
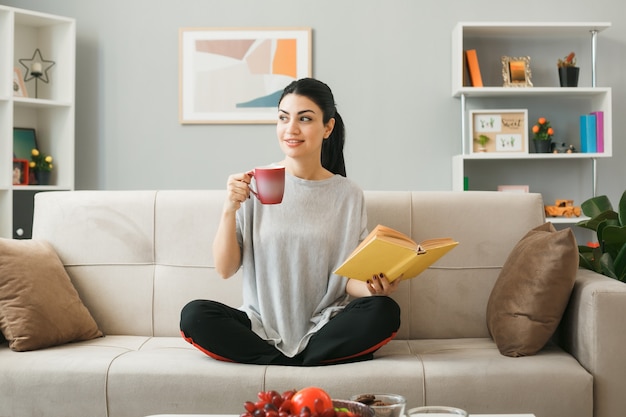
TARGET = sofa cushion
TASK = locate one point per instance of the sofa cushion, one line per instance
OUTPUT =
(39, 306)
(532, 290)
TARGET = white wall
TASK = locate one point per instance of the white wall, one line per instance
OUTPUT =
(388, 63)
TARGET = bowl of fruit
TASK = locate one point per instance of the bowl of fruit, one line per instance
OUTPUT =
(307, 402)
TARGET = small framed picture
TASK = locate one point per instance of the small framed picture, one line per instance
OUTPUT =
(24, 141)
(20, 172)
(513, 188)
(516, 71)
(19, 89)
(499, 131)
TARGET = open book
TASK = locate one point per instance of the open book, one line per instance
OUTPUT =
(394, 254)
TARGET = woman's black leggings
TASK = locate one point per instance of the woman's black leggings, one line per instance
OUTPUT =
(354, 334)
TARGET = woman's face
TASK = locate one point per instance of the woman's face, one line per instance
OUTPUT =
(300, 128)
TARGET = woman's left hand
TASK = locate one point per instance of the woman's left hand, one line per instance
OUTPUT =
(380, 285)
(377, 285)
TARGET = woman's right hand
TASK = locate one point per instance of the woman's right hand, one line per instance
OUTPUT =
(226, 250)
(238, 191)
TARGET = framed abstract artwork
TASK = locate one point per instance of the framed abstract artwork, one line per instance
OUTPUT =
(236, 75)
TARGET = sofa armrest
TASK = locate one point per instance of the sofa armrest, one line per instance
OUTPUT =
(593, 330)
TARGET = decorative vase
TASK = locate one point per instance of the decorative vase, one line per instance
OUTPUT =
(42, 177)
(568, 76)
(542, 146)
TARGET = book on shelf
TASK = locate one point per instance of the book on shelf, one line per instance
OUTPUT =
(394, 254)
(465, 74)
(588, 133)
(471, 58)
(599, 130)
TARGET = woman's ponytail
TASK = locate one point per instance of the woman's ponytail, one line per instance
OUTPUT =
(332, 148)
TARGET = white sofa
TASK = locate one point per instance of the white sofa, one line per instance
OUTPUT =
(136, 257)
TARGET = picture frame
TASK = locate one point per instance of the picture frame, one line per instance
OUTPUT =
(21, 175)
(516, 71)
(514, 188)
(506, 131)
(19, 89)
(236, 75)
(24, 141)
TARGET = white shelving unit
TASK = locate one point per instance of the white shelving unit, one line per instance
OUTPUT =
(545, 43)
(51, 113)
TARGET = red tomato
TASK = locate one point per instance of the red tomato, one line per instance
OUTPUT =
(306, 398)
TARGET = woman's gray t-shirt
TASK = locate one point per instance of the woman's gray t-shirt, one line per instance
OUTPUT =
(289, 253)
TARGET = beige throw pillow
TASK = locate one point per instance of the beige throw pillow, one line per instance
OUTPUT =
(532, 290)
(39, 306)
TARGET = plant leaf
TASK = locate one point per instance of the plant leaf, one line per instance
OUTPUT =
(622, 210)
(619, 264)
(607, 267)
(609, 216)
(585, 224)
(610, 258)
(613, 238)
(614, 235)
(596, 205)
(600, 232)
(585, 260)
(590, 259)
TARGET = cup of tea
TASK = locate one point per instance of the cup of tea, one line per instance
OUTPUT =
(269, 182)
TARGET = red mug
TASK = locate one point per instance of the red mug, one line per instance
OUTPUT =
(270, 184)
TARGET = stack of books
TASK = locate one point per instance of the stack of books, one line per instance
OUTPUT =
(592, 132)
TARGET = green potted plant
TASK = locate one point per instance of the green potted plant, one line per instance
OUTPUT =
(482, 142)
(41, 165)
(568, 71)
(608, 256)
(542, 135)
